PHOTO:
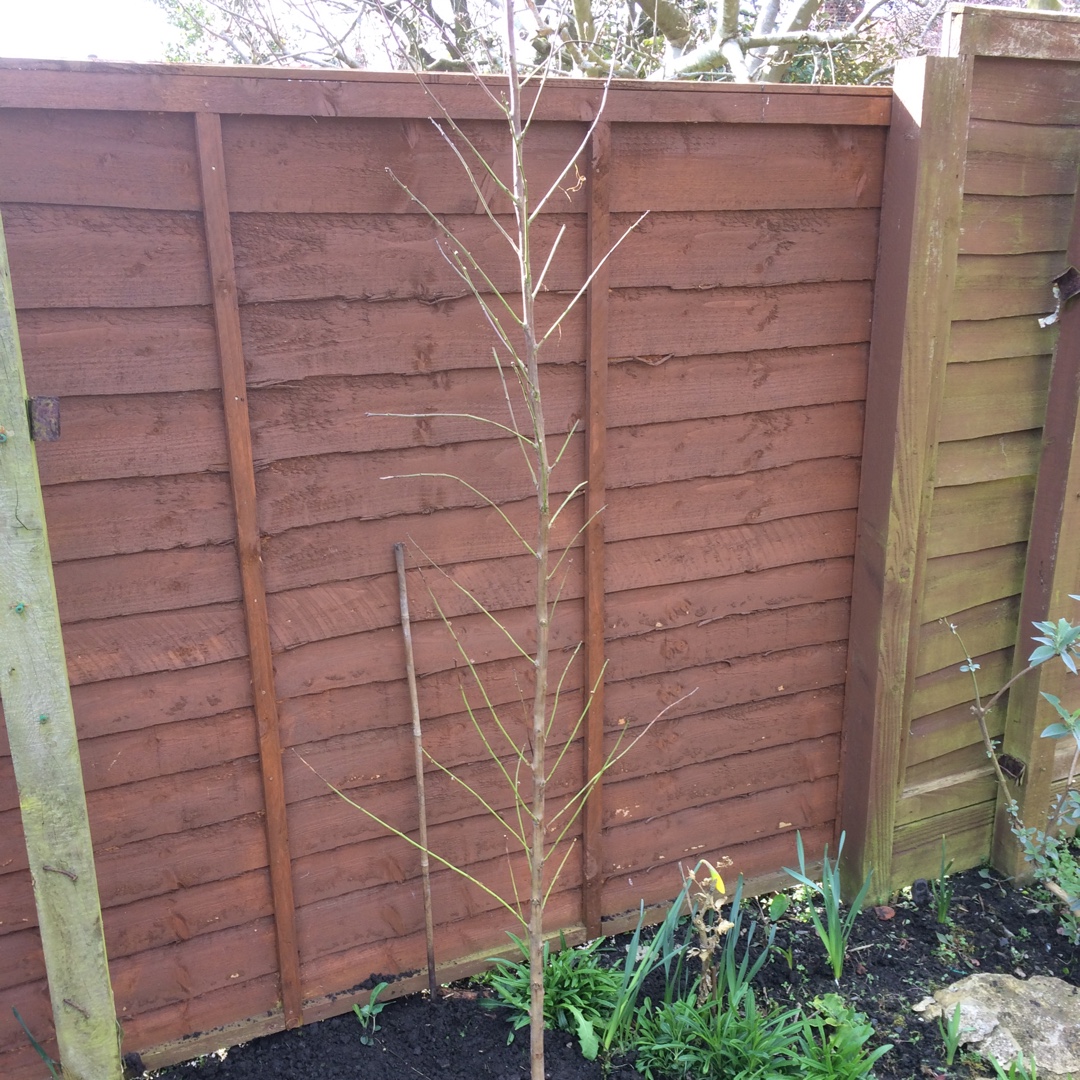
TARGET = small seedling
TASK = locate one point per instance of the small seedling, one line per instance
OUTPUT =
(836, 928)
(950, 1034)
(367, 1014)
(941, 889)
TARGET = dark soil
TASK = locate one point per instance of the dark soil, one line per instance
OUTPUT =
(897, 956)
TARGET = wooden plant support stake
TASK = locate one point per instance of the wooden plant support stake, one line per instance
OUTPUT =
(44, 744)
(418, 750)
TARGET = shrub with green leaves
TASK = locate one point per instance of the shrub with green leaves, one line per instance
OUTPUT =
(580, 994)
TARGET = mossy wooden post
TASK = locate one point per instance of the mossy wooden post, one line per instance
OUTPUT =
(920, 223)
(44, 746)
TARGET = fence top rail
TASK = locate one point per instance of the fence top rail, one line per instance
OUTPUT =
(1019, 32)
(55, 84)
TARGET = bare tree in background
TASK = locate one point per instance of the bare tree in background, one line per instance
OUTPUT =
(818, 41)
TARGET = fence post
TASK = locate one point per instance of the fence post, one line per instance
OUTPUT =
(920, 214)
(1051, 573)
(44, 744)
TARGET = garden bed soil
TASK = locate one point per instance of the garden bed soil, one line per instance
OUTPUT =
(896, 957)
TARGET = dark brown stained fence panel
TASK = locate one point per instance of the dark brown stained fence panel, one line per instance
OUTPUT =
(145, 435)
(161, 751)
(993, 457)
(1021, 159)
(162, 641)
(288, 341)
(648, 853)
(301, 165)
(73, 353)
(284, 417)
(147, 581)
(656, 323)
(390, 256)
(123, 159)
(920, 221)
(684, 167)
(994, 338)
(641, 392)
(111, 517)
(1011, 225)
(161, 697)
(993, 397)
(1020, 92)
(68, 257)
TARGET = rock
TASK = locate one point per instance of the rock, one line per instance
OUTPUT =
(1001, 1016)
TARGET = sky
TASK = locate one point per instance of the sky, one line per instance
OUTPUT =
(80, 29)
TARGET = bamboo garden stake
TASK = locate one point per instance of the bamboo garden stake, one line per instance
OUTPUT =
(418, 751)
(44, 745)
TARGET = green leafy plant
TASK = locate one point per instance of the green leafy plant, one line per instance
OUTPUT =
(1018, 1069)
(50, 1063)
(683, 1038)
(579, 992)
(833, 1042)
(666, 949)
(368, 1014)
(950, 1035)
(941, 889)
(835, 930)
(1049, 855)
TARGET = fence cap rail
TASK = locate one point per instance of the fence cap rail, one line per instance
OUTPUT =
(995, 31)
(57, 84)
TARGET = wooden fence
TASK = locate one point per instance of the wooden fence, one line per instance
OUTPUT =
(216, 275)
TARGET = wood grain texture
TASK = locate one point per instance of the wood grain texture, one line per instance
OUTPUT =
(985, 628)
(1020, 159)
(1034, 35)
(161, 88)
(920, 220)
(993, 397)
(1052, 571)
(981, 516)
(957, 582)
(72, 257)
(745, 170)
(993, 338)
(76, 353)
(998, 286)
(75, 158)
(992, 457)
(1020, 92)
(222, 277)
(996, 225)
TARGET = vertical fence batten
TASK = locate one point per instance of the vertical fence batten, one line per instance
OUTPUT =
(596, 334)
(1052, 572)
(242, 480)
(916, 264)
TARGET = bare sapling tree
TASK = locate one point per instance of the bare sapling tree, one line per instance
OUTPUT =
(542, 833)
